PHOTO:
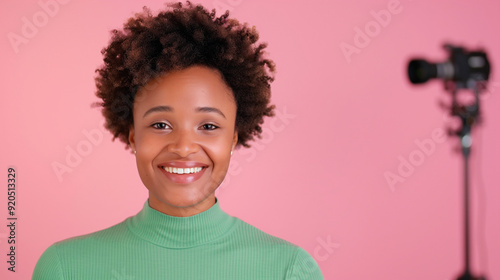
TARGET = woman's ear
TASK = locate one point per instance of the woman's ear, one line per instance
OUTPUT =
(131, 138)
(235, 141)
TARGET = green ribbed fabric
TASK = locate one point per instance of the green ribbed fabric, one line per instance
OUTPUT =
(152, 245)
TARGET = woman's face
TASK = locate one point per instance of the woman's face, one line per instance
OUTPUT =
(183, 135)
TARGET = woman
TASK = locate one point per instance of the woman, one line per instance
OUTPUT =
(182, 89)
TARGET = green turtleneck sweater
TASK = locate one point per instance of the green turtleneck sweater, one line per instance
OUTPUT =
(152, 245)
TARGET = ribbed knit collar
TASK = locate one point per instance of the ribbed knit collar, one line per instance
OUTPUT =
(180, 232)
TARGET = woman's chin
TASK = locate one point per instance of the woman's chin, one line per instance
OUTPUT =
(183, 200)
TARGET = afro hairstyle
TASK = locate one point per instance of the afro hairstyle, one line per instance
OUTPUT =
(181, 36)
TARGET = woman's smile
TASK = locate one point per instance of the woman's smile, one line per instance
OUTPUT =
(183, 172)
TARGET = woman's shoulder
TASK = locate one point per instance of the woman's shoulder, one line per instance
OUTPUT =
(49, 265)
(103, 237)
(248, 233)
(277, 251)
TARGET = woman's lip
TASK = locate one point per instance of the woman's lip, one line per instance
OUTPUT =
(183, 178)
(182, 164)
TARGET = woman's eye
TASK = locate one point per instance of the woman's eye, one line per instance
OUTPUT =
(209, 126)
(159, 125)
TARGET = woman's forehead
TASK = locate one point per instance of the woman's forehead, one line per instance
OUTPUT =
(196, 86)
(193, 78)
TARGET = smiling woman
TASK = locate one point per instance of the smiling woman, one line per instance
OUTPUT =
(182, 89)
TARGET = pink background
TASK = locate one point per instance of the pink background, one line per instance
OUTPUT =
(316, 177)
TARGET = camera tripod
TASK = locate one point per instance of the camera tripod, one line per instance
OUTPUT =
(469, 115)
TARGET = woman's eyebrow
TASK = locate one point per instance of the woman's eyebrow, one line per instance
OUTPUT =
(158, 109)
(170, 109)
(210, 110)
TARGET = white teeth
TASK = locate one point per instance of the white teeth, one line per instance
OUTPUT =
(176, 170)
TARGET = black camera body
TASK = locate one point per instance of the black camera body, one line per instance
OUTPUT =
(463, 67)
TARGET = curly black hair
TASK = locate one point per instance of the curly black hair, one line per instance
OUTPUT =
(183, 36)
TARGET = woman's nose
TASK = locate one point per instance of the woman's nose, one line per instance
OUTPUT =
(183, 143)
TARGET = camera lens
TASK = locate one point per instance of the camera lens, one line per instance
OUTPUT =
(420, 71)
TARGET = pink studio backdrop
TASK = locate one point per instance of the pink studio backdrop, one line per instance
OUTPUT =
(316, 178)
